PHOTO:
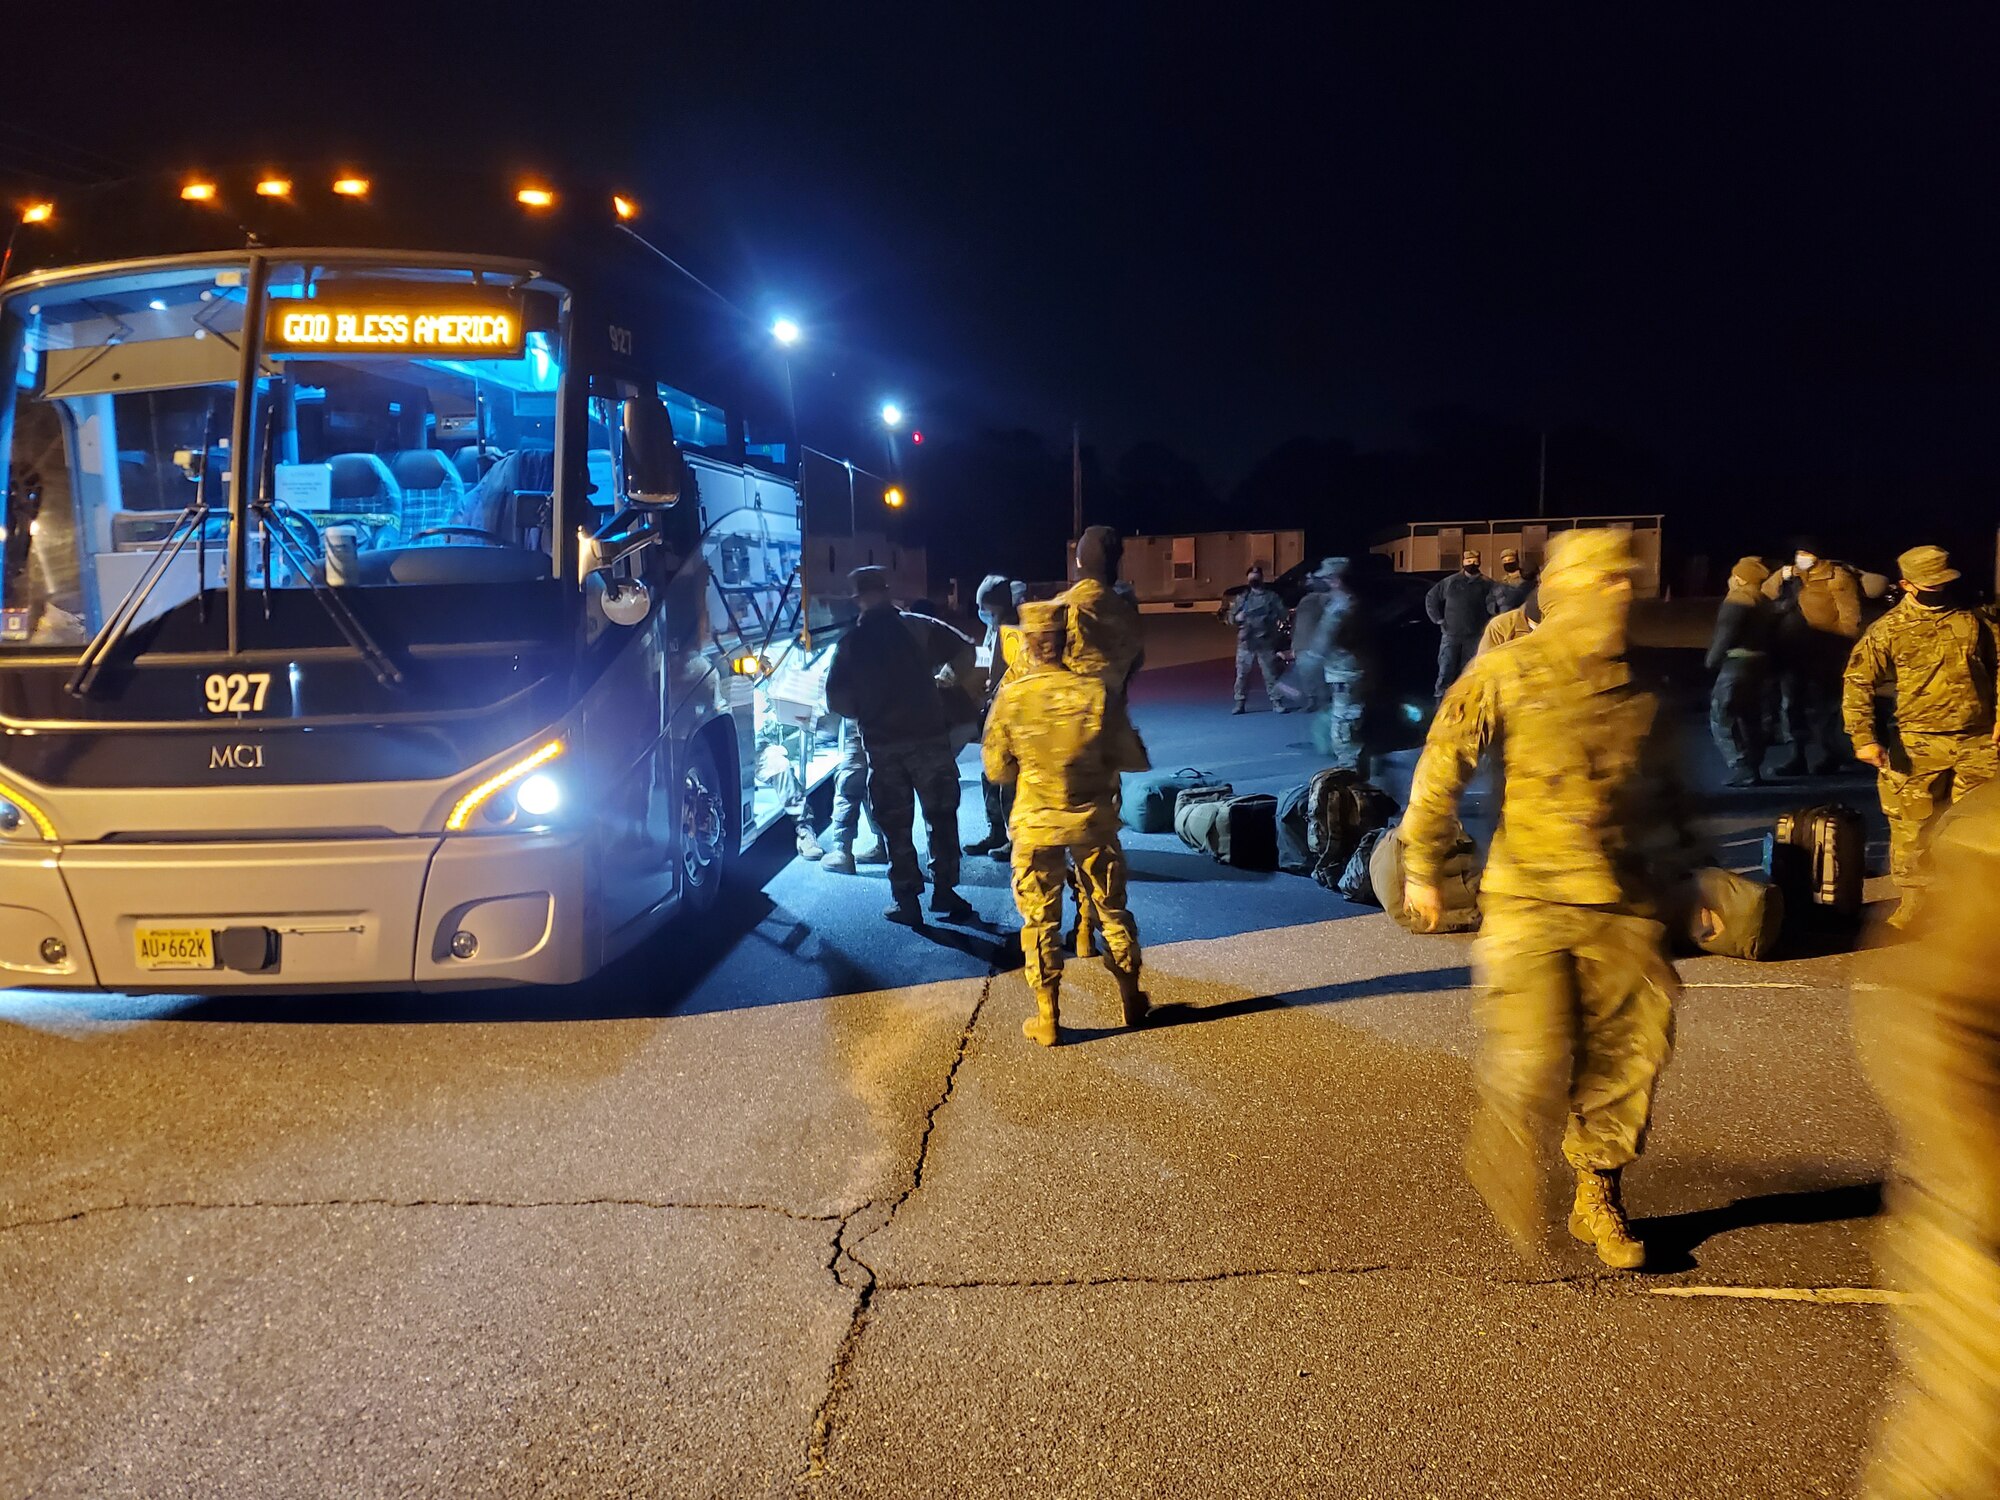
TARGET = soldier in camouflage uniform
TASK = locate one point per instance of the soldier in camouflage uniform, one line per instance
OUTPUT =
(1739, 654)
(1941, 658)
(1258, 615)
(1058, 737)
(1579, 996)
(1930, 1032)
(1342, 653)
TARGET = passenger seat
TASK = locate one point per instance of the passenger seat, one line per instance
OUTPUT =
(432, 490)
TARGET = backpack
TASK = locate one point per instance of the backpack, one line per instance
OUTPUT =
(1458, 884)
(1295, 855)
(1252, 831)
(1148, 797)
(1203, 824)
(1815, 857)
(1340, 808)
(1734, 915)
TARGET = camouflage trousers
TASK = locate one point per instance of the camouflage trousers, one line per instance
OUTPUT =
(1925, 775)
(1577, 1021)
(850, 790)
(1935, 1059)
(1039, 877)
(1736, 711)
(1265, 659)
(1338, 730)
(899, 777)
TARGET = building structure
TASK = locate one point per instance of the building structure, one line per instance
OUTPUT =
(1435, 546)
(1187, 571)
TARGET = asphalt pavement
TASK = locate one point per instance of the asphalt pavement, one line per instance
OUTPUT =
(785, 1205)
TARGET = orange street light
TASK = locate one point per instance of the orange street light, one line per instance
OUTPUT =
(351, 187)
(198, 192)
(38, 213)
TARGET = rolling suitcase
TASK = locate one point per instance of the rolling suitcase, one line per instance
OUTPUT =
(1814, 856)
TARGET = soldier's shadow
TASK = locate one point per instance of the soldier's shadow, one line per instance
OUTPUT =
(1672, 1239)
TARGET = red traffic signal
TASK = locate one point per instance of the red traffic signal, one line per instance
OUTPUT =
(917, 438)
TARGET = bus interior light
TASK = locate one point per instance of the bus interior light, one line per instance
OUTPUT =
(472, 801)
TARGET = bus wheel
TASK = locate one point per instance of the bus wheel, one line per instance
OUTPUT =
(704, 829)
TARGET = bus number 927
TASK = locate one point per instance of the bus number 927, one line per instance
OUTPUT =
(236, 692)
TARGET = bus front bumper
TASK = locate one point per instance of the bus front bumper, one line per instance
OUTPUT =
(325, 914)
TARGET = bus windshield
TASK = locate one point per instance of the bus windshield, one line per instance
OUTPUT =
(403, 432)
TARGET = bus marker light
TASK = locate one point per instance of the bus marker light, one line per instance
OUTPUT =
(472, 801)
(55, 952)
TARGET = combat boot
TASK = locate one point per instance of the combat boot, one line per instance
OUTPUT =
(1598, 1219)
(1041, 1027)
(838, 860)
(808, 846)
(1133, 1000)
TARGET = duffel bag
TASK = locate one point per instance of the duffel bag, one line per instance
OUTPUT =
(1458, 884)
(1203, 824)
(1734, 915)
(1148, 797)
(1252, 838)
(1294, 852)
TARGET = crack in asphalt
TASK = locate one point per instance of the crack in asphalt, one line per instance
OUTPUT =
(843, 1256)
(1591, 1279)
(508, 1203)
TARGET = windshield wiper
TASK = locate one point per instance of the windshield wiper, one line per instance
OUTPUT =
(272, 514)
(172, 545)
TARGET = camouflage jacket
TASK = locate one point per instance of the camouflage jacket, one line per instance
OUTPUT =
(1258, 615)
(1340, 640)
(1942, 664)
(1589, 811)
(1058, 736)
(1103, 640)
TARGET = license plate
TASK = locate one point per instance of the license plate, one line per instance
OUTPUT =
(176, 947)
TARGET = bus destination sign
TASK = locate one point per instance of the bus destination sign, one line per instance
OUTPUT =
(451, 327)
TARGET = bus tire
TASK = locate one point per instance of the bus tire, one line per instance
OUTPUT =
(707, 839)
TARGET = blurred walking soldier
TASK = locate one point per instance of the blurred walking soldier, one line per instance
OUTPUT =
(1740, 656)
(1341, 653)
(1577, 1011)
(885, 677)
(1058, 738)
(1258, 615)
(1458, 606)
(1930, 1032)
(1942, 658)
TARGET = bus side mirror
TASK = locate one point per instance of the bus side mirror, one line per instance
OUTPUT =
(655, 472)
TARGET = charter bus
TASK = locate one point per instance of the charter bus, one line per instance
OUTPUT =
(395, 595)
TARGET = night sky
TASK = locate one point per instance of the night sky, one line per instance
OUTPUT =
(1751, 240)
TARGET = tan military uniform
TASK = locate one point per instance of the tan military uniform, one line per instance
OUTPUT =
(1577, 1012)
(1942, 664)
(1061, 739)
(1508, 625)
(1930, 1033)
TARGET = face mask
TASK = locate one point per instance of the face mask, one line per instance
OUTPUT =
(1804, 562)
(1472, 567)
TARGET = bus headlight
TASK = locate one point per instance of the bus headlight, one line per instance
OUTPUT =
(539, 795)
(20, 818)
(512, 779)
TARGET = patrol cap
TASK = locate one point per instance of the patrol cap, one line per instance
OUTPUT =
(1927, 567)
(869, 580)
(1043, 617)
(1509, 555)
(1752, 570)
(1580, 558)
(1331, 567)
(1468, 555)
